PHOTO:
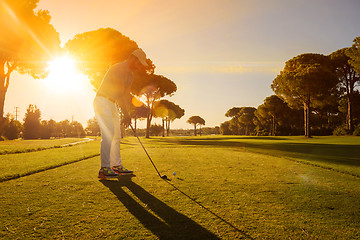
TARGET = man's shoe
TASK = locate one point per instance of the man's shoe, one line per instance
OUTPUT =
(105, 173)
(121, 170)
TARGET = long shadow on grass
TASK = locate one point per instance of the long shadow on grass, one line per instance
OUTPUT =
(173, 225)
(328, 153)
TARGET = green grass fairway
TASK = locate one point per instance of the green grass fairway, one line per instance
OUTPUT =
(21, 146)
(22, 164)
(224, 188)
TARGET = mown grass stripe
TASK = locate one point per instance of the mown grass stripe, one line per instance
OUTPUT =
(17, 165)
(15, 176)
(307, 162)
(37, 149)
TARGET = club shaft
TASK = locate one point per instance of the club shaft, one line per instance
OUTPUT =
(145, 150)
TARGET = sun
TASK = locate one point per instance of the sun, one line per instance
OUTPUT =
(63, 75)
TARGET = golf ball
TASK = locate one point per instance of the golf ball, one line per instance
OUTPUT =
(174, 173)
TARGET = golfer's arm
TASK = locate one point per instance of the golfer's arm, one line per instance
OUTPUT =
(125, 101)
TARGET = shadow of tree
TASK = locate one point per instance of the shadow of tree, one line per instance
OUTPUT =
(169, 224)
(341, 154)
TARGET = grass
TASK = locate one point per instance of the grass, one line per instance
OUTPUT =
(22, 164)
(21, 146)
(340, 154)
(225, 188)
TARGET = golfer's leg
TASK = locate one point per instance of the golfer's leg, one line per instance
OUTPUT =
(103, 114)
(115, 157)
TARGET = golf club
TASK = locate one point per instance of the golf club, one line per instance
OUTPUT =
(163, 176)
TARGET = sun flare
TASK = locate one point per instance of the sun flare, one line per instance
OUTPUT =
(63, 75)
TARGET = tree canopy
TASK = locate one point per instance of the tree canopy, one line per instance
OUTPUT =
(27, 42)
(95, 51)
(168, 111)
(348, 80)
(196, 121)
(354, 53)
(152, 87)
(272, 111)
(307, 80)
(246, 117)
(32, 126)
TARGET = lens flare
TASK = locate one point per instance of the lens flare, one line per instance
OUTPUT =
(64, 77)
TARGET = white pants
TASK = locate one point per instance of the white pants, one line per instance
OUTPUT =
(109, 121)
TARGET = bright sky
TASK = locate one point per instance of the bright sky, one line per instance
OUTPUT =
(221, 54)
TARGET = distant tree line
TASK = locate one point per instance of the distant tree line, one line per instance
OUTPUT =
(315, 94)
(35, 128)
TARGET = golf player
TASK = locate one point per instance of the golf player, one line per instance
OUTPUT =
(114, 91)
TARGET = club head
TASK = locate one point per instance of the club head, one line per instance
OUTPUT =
(165, 177)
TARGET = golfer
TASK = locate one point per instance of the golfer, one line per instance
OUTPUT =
(115, 91)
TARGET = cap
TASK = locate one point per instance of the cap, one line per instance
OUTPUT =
(139, 53)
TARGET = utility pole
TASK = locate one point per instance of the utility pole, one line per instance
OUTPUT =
(16, 112)
(72, 118)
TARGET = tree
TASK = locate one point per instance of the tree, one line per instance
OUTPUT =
(76, 129)
(246, 118)
(354, 54)
(156, 130)
(140, 112)
(273, 108)
(307, 79)
(95, 51)
(168, 111)
(93, 128)
(225, 128)
(196, 121)
(343, 107)
(348, 79)
(263, 121)
(47, 129)
(64, 128)
(152, 87)
(275, 117)
(234, 125)
(12, 128)
(27, 42)
(32, 125)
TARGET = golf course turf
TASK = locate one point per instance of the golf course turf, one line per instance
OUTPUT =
(225, 187)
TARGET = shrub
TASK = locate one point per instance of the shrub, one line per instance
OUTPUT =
(156, 130)
(357, 131)
(340, 130)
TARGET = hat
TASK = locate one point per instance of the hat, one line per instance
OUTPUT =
(139, 53)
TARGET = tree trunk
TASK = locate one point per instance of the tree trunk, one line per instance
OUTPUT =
(163, 127)
(148, 122)
(195, 129)
(307, 118)
(149, 117)
(2, 101)
(273, 126)
(167, 127)
(349, 116)
(270, 130)
(3, 90)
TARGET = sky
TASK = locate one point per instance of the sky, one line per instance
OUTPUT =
(220, 54)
